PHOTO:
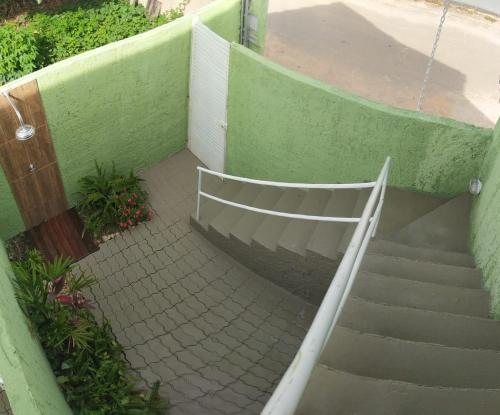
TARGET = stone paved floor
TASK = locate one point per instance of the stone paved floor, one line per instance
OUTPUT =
(218, 336)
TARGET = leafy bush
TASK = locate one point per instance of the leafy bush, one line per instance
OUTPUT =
(42, 38)
(74, 31)
(85, 356)
(19, 53)
(109, 202)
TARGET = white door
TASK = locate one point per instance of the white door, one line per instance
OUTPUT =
(208, 96)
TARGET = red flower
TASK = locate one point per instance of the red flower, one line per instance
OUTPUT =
(65, 299)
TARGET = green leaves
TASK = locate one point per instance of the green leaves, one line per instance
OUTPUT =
(19, 53)
(104, 197)
(43, 38)
(86, 359)
(55, 268)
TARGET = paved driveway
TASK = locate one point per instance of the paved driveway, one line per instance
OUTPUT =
(379, 50)
(218, 336)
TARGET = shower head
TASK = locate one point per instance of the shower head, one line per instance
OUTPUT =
(25, 131)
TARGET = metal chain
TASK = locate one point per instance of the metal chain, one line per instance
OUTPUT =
(420, 101)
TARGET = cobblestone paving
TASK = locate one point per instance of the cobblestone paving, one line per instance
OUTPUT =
(218, 336)
(4, 404)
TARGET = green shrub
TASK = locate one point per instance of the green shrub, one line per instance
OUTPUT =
(111, 201)
(42, 38)
(86, 359)
(19, 54)
(74, 31)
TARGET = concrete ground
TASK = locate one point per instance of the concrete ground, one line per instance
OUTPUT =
(195, 5)
(218, 336)
(379, 50)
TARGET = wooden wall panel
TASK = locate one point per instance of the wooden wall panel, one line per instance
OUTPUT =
(40, 193)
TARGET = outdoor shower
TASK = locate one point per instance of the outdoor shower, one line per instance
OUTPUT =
(25, 131)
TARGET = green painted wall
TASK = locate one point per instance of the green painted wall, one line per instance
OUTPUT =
(10, 218)
(30, 384)
(125, 102)
(485, 224)
(285, 126)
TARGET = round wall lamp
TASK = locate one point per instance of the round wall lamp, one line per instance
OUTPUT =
(475, 186)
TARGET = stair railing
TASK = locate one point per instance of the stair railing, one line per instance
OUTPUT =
(201, 170)
(288, 393)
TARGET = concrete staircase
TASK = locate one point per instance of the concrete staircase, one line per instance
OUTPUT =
(415, 335)
(299, 255)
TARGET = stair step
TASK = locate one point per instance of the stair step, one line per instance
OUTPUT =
(415, 362)
(422, 271)
(421, 325)
(422, 295)
(446, 227)
(297, 232)
(437, 256)
(327, 235)
(230, 215)
(271, 228)
(335, 392)
(363, 197)
(209, 209)
(402, 207)
(250, 221)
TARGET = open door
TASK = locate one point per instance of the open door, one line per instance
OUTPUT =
(208, 90)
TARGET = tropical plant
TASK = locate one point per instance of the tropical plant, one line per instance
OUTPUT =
(43, 291)
(111, 201)
(87, 360)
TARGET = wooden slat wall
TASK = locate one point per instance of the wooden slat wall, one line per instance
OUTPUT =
(39, 194)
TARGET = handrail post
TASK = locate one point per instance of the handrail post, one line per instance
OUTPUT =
(198, 198)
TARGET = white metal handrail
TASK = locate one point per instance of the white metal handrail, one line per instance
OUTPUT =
(278, 213)
(366, 185)
(289, 391)
(328, 186)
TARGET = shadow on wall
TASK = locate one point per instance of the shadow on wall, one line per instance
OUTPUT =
(334, 44)
(4, 403)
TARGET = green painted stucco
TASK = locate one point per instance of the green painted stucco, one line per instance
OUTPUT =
(259, 9)
(285, 126)
(126, 102)
(485, 223)
(10, 218)
(30, 384)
